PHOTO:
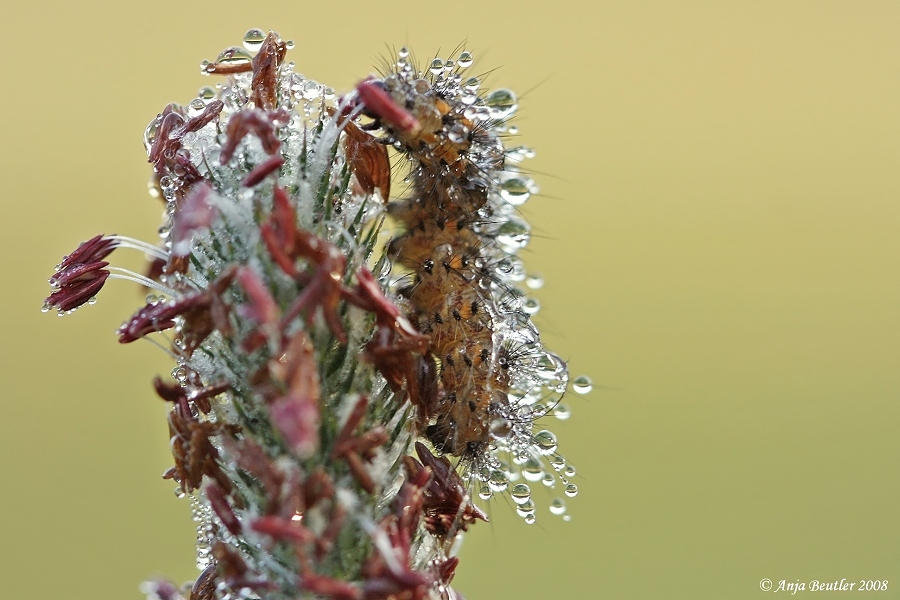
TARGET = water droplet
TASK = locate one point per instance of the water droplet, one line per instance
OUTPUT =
(570, 471)
(179, 492)
(449, 64)
(253, 39)
(571, 490)
(545, 442)
(567, 518)
(517, 154)
(311, 90)
(548, 366)
(204, 67)
(180, 373)
(502, 103)
(289, 45)
(437, 66)
(534, 281)
(233, 57)
(195, 107)
(530, 519)
(465, 59)
(513, 130)
(150, 133)
(521, 493)
(498, 481)
(532, 470)
(525, 508)
(500, 428)
(206, 93)
(557, 462)
(531, 306)
(458, 133)
(515, 190)
(558, 506)
(562, 411)
(582, 384)
(514, 235)
(403, 52)
(485, 493)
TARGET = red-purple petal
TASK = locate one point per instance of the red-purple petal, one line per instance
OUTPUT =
(74, 295)
(297, 419)
(262, 170)
(193, 214)
(95, 249)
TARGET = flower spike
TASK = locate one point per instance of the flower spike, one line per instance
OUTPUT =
(339, 395)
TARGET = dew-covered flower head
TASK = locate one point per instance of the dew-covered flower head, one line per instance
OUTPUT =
(353, 367)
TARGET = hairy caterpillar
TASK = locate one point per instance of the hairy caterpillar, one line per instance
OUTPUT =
(478, 384)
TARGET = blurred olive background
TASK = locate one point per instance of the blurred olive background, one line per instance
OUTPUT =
(718, 229)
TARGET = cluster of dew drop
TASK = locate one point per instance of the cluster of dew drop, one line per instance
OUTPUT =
(305, 129)
(532, 458)
(515, 456)
(303, 100)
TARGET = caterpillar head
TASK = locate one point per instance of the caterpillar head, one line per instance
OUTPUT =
(419, 118)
